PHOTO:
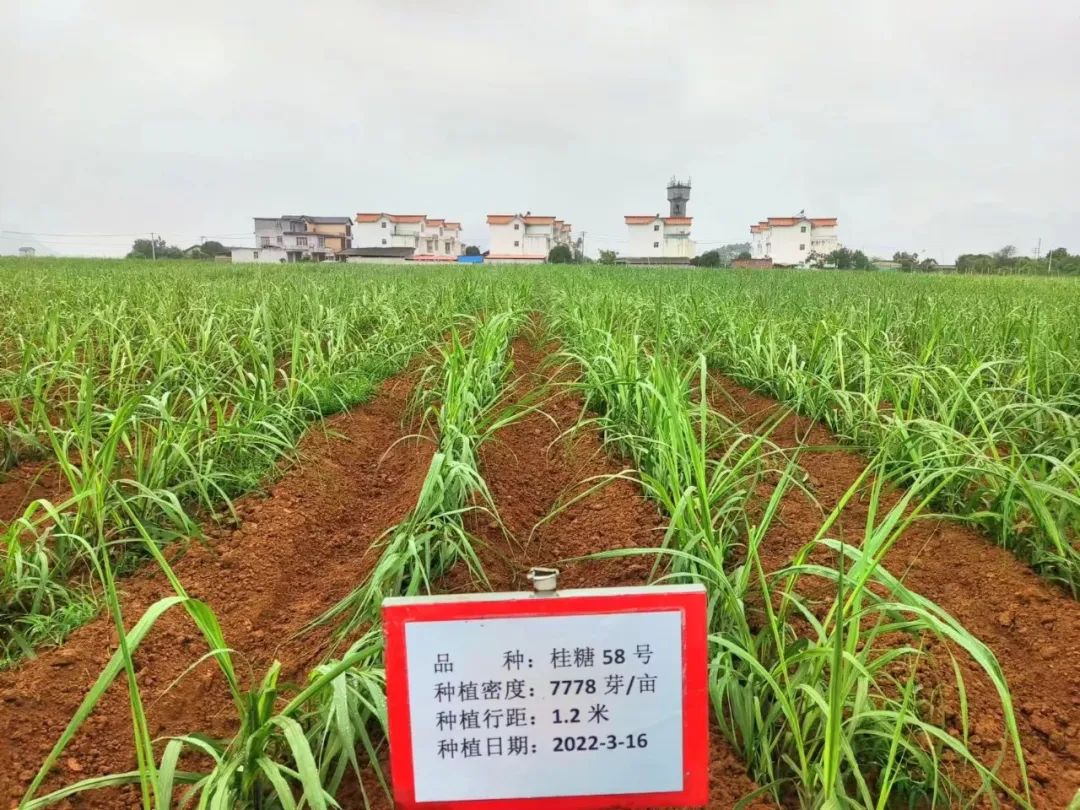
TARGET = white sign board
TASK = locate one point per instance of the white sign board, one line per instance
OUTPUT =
(541, 697)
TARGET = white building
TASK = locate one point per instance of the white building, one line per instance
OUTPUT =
(272, 254)
(425, 238)
(440, 240)
(790, 241)
(525, 237)
(292, 235)
(658, 239)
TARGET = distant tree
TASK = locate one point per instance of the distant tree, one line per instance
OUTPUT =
(841, 259)
(907, 261)
(472, 250)
(147, 249)
(607, 256)
(561, 254)
(860, 261)
(1057, 261)
(197, 253)
(928, 265)
(212, 248)
(710, 258)
(744, 255)
(975, 263)
(732, 251)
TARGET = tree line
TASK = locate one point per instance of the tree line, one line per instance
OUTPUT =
(157, 248)
(1057, 262)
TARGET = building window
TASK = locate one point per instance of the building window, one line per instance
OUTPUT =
(447, 250)
(264, 241)
(301, 241)
(656, 244)
(384, 223)
(656, 227)
(517, 243)
(802, 229)
(517, 227)
(254, 254)
(280, 241)
(802, 247)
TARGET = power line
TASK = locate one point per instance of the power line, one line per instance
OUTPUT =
(73, 235)
(132, 234)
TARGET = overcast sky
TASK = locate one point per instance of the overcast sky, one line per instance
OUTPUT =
(940, 126)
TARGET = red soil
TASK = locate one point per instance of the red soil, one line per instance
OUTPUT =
(319, 521)
(316, 526)
(28, 482)
(529, 472)
(1032, 627)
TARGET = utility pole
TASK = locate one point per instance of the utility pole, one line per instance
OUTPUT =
(153, 247)
(582, 247)
(1038, 250)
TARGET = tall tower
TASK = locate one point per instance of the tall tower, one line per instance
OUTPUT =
(678, 194)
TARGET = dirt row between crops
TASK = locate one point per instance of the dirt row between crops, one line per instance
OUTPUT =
(317, 525)
(25, 483)
(531, 473)
(1031, 626)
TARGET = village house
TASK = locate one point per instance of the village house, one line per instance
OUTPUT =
(526, 238)
(790, 241)
(399, 237)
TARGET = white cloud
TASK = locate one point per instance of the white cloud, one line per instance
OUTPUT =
(946, 127)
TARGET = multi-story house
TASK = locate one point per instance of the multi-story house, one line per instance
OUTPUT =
(663, 240)
(439, 240)
(791, 241)
(451, 239)
(336, 230)
(297, 237)
(405, 236)
(654, 239)
(525, 237)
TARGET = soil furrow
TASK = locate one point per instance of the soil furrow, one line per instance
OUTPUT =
(1032, 627)
(26, 483)
(530, 472)
(315, 525)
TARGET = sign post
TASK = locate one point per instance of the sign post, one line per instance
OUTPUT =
(570, 699)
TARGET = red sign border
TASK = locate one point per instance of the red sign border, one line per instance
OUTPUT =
(691, 603)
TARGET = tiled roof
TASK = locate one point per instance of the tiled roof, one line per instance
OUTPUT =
(391, 217)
